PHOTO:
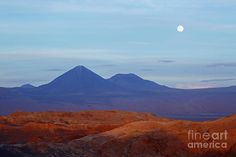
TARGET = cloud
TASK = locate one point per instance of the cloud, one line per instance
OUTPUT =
(108, 6)
(193, 85)
(21, 81)
(108, 65)
(216, 65)
(166, 61)
(143, 43)
(60, 53)
(55, 69)
(219, 80)
(70, 6)
(147, 69)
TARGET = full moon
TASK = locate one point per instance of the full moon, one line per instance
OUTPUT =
(180, 28)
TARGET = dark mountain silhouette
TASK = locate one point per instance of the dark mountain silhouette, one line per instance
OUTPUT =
(82, 89)
(134, 82)
(78, 79)
(27, 86)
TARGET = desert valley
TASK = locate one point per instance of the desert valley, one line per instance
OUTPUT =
(107, 134)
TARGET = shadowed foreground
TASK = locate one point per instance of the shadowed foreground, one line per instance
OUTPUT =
(106, 134)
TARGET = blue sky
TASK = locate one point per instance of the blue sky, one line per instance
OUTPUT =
(40, 40)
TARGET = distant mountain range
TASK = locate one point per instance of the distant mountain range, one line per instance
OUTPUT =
(81, 89)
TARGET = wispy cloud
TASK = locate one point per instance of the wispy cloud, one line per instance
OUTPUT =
(107, 65)
(70, 6)
(147, 69)
(55, 69)
(143, 43)
(216, 65)
(193, 85)
(114, 6)
(219, 80)
(59, 53)
(166, 61)
(21, 81)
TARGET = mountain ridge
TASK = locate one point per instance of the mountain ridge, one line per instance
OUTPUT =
(134, 82)
(82, 89)
(78, 79)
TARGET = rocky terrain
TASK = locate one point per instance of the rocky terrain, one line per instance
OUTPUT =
(107, 134)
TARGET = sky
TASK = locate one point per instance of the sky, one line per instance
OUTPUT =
(40, 40)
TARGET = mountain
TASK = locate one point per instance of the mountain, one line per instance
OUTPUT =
(82, 89)
(112, 134)
(134, 82)
(79, 80)
(27, 86)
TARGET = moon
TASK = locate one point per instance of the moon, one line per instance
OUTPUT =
(180, 28)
